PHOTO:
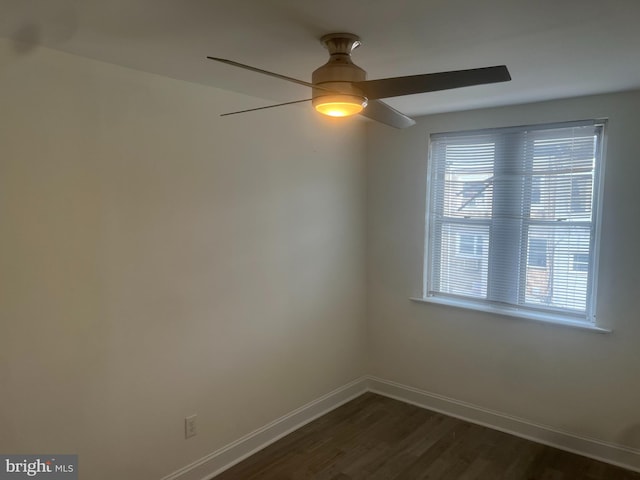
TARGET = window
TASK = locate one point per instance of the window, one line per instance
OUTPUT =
(537, 252)
(511, 220)
(581, 193)
(580, 262)
(472, 192)
(470, 245)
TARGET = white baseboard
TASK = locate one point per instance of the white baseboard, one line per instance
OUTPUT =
(589, 447)
(216, 462)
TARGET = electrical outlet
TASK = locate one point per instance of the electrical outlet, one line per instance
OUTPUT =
(190, 426)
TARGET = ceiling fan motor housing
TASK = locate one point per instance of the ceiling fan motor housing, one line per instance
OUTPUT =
(340, 71)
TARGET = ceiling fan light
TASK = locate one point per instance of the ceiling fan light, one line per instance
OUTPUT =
(339, 105)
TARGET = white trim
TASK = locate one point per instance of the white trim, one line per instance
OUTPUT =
(597, 208)
(516, 312)
(426, 239)
(619, 455)
(224, 458)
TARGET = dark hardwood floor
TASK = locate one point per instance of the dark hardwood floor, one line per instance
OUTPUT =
(375, 438)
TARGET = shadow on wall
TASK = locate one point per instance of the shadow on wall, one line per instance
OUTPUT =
(31, 35)
(25, 39)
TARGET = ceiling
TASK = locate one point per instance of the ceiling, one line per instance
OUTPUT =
(553, 48)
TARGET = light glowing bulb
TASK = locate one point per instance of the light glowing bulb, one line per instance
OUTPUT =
(339, 105)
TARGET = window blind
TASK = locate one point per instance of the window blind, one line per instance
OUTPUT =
(511, 218)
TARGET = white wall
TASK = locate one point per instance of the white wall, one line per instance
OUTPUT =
(573, 380)
(157, 261)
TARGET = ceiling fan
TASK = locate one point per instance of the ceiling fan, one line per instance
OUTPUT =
(340, 87)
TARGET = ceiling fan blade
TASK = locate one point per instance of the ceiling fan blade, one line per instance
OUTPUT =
(431, 82)
(266, 72)
(383, 113)
(268, 106)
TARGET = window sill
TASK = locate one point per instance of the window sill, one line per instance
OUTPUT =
(528, 315)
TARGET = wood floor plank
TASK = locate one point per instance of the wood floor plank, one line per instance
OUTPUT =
(378, 438)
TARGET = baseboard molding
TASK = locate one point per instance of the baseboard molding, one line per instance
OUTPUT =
(607, 452)
(216, 462)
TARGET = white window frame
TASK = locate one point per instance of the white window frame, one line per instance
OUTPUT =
(561, 318)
